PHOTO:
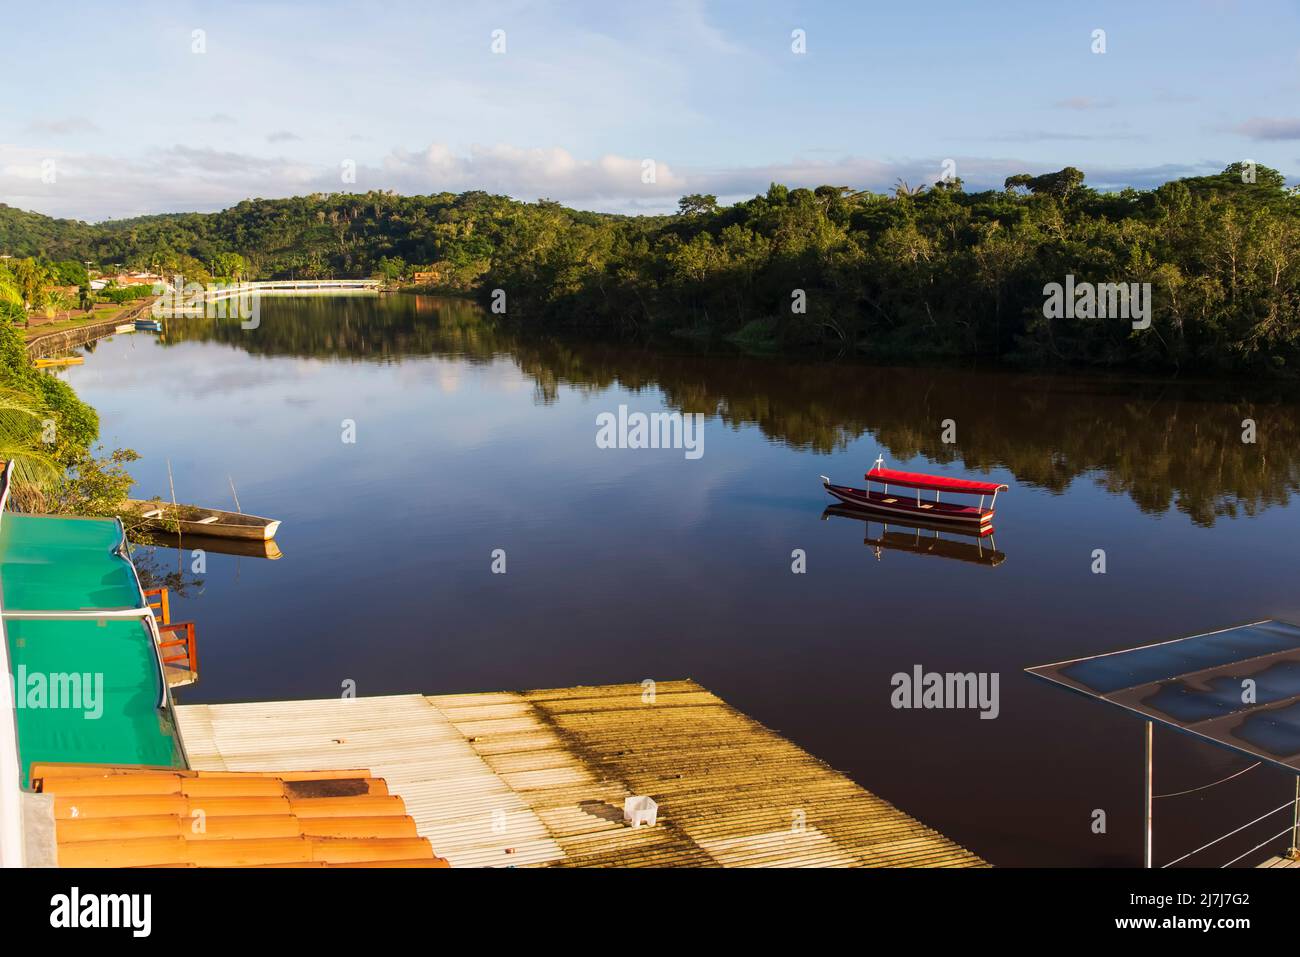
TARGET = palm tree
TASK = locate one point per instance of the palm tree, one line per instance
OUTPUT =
(9, 293)
(35, 471)
(901, 189)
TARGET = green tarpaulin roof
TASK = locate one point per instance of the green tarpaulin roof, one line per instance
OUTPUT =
(86, 690)
(64, 564)
(102, 708)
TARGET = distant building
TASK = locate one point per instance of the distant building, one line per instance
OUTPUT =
(431, 275)
(137, 279)
(131, 279)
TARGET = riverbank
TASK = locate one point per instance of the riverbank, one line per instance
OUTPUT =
(49, 338)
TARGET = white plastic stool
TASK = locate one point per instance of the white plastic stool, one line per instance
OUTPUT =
(640, 810)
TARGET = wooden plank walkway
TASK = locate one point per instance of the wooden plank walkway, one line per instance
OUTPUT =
(538, 778)
(1280, 862)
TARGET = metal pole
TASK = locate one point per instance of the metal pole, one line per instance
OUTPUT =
(1295, 822)
(1146, 857)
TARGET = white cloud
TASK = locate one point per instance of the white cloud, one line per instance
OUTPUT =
(1083, 103)
(534, 173)
(63, 126)
(183, 178)
(1268, 128)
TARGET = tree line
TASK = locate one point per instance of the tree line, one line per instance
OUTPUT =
(924, 272)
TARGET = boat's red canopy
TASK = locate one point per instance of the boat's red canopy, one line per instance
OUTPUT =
(933, 483)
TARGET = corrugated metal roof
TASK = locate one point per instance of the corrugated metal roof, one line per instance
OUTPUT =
(470, 816)
(539, 778)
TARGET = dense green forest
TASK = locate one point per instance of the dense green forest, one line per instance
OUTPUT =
(926, 272)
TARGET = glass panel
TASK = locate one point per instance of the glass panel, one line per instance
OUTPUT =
(1127, 669)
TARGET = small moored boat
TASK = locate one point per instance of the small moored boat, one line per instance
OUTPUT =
(905, 505)
(192, 520)
(148, 325)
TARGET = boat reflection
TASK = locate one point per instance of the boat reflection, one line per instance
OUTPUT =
(921, 538)
(243, 548)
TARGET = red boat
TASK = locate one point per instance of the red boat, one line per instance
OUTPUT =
(903, 504)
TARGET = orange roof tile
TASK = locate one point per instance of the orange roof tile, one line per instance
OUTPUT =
(157, 817)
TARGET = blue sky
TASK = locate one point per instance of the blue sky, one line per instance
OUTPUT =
(115, 103)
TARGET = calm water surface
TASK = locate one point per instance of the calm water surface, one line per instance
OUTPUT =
(633, 564)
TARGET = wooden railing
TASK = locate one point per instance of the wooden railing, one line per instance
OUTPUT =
(177, 644)
(187, 652)
(162, 607)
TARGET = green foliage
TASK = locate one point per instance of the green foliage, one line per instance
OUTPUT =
(31, 234)
(918, 272)
(94, 485)
(31, 279)
(21, 415)
(937, 273)
(10, 295)
(229, 266)
(75, 424)
(70, 272)
(391, 268)
(121, 294)
(697, 203)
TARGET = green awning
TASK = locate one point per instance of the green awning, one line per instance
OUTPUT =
(86, 690)
(67, 564)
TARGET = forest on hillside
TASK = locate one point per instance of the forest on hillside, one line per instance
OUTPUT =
(917, 273)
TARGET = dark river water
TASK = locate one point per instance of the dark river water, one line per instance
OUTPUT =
(627, 564)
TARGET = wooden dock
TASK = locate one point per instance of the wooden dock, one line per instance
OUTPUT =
(538, 778)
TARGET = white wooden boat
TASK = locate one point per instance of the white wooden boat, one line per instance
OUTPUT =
(192, 520)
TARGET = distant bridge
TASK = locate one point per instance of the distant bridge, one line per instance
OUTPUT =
(291, 287)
